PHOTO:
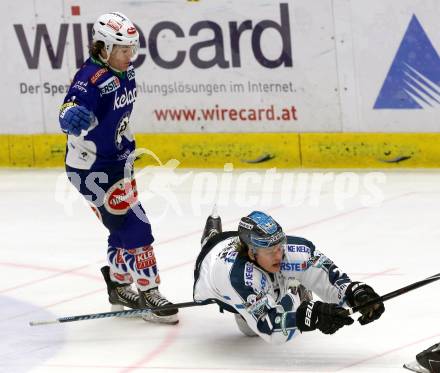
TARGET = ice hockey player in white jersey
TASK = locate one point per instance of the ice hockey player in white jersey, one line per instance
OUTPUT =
(265, 277)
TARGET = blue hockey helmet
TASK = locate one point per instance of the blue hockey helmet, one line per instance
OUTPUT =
(259, 230)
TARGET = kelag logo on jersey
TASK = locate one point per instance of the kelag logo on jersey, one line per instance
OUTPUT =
(298, 249)
(413, 81)
(127, 98)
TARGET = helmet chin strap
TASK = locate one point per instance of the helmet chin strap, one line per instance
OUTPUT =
(105, 60)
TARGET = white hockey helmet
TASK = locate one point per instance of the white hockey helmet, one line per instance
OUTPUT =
(115, 29)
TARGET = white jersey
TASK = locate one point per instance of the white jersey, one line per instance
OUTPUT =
(263, 299)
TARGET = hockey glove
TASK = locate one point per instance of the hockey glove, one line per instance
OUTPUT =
(74, 118)
(327, 317)
(359, 293)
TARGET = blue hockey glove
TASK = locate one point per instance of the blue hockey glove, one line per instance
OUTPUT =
(359, 293)
(74, 118)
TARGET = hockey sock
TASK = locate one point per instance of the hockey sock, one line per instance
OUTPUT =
(141, 263)
(118, 269)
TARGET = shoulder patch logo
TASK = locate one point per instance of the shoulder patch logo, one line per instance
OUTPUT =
(249, 274)
(97, 75)
(130, 73)
(413, 81)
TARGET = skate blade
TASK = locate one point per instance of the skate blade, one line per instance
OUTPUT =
(116, 307)
(151, 317)
(414, 366)
(214, 213)
(120, 307)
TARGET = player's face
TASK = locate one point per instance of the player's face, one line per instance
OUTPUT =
(120, 57)
(270, 258)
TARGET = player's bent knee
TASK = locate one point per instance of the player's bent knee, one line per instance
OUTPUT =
(134, 231)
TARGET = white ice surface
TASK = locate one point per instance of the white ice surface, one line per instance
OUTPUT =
(51, 252)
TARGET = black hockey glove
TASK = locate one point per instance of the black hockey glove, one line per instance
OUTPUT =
(359, 293)
(327, 317)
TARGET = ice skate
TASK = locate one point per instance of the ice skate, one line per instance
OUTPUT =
(153, 298)
(414, 366)
(213, 226)
(427, 361)
(119, 295)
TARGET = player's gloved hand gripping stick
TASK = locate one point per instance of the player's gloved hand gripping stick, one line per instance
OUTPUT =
(393, 294)
(359, 294)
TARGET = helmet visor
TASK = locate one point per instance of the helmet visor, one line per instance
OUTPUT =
(132, 50)
(267, 242)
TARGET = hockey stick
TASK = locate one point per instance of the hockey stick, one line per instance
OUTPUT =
(395, 293)
(128, 313)
(140, 312)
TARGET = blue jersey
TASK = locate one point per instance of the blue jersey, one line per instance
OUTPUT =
(110, 96)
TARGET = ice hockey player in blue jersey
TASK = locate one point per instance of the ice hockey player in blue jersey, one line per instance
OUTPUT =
(267, 279)
(95, 116)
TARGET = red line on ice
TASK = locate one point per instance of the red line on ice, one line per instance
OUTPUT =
(167, 342)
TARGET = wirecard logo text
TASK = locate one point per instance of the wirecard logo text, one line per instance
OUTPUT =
(413, 81)
(226, 47)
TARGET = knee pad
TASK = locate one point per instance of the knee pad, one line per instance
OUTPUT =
(243, 326)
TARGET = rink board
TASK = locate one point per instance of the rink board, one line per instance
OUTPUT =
(306, 84)
(251, 150)
(335, 66)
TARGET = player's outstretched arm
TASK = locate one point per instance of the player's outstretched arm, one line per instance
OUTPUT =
(359, 293)
(327, 317)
